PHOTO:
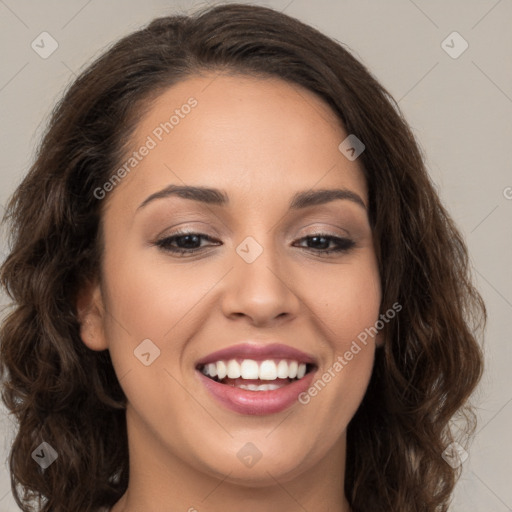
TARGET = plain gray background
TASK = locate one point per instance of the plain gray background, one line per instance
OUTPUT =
(459, 108)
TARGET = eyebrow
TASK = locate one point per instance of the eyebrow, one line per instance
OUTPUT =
(219, 197)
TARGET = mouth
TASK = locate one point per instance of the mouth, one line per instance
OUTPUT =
(256, 375)
(256, 379)
(256, 387)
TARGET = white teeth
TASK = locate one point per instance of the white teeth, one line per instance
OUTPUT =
(282, 370)
(268, 370)
(261, 387)
(292, 369)
(212, 369)
(222, 371)
(250, 369)
(233, 369)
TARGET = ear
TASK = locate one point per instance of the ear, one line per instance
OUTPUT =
(379, 339)
(91, 315)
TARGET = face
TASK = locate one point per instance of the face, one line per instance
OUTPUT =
(254, 277)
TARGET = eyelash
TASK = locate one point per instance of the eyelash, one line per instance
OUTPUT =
(344, 244)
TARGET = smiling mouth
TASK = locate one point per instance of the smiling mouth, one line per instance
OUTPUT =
(253, 375)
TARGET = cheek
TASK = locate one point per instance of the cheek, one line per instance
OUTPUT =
(346, 304)
(154, 300)
(346, 298)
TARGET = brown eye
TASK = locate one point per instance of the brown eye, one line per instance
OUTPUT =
(187, 242)
(324, 240)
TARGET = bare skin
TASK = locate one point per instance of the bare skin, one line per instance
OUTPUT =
(261, 141)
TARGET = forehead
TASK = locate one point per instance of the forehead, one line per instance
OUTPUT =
(252, 136)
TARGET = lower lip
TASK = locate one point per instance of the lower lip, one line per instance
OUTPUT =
(245, 401)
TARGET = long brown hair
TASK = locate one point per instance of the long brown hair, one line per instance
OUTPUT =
(67, 395)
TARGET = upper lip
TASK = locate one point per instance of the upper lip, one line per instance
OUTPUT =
(258, 352)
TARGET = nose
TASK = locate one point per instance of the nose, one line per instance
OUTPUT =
(261, 291)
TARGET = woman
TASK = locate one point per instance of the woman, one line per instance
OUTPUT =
(234, 285)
